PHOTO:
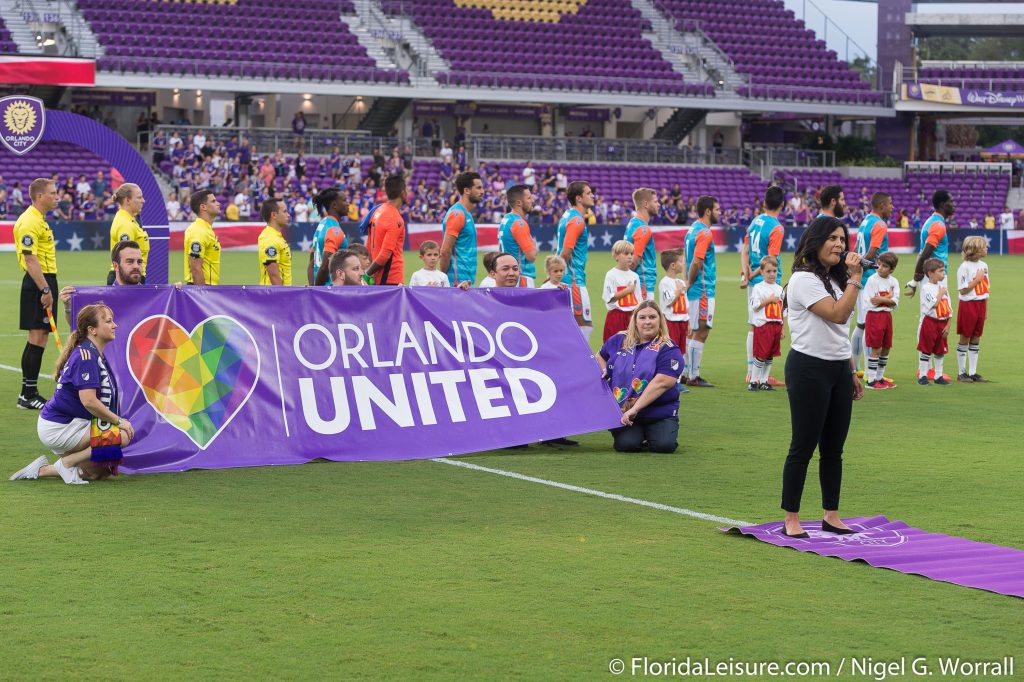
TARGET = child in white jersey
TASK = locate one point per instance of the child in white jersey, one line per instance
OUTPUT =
(935, 313)
(766, 313)
(881, 296)
(973, 285)
(429, 275)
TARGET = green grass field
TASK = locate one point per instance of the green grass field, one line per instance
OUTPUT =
(417, 570)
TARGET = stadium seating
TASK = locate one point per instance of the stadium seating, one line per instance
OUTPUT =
(48, 158)
(6, 44)
(592, 46)
(1006, 77)
(245, 39)
(766, 42)
(975, 193)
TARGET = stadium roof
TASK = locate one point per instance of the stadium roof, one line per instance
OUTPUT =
(925, 24)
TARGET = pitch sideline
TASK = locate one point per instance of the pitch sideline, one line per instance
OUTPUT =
(596, 493)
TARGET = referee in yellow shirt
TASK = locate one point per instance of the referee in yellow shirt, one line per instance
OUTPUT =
(274, 255)
(125, 227)
(37, 257)
(202, 249)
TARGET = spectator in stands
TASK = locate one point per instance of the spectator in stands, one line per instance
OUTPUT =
(561, 181)
(530, 177)
(990, 221)
(82, 187)
(1006, 219)
(159, 147)
(299, 130)
(972, 223)
(547, 185)
(65, 207)
(142, 131)
(446, 153)
(407, 160)
(174, 207)
(1020, 216)
(16, 200)
(198, 142)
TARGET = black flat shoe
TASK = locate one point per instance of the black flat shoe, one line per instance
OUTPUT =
(829, 528)
(797, 536)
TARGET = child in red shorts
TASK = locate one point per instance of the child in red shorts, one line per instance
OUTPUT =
(882, 292)
(621, 290)
(672, 297)
(766, 312)
(935, 313)
(972, 282)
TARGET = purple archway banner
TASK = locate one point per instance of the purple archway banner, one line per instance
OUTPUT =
(215, 377)
(897, 546)
(62, 126)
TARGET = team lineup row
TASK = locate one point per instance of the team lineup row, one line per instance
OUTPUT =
(689, 301)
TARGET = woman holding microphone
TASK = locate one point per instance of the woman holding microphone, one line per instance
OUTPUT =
(821, 296)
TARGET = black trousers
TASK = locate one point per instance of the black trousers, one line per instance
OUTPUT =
(661, 435)
(820, 405)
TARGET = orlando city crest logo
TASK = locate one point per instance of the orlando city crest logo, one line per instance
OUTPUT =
(22, 120)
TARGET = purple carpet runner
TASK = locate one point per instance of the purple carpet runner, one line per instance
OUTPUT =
(895, 545)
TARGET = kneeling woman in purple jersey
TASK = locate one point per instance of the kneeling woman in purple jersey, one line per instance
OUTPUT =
(643, 365)
(85, 403)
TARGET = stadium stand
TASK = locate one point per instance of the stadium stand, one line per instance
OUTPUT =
(975, 193)
(254, 39)
(6, 43)
(550, 45)
(1006, 76)
(783, 59)
(68, 162)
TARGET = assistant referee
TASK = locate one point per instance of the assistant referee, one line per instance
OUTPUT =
(37, 257)
(126, 227)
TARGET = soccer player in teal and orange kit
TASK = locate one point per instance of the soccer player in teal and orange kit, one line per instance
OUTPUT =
(573, 245)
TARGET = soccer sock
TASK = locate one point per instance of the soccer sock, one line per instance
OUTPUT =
(858, 346)
(973, 350)
(587, 331)
(697, 348)
(750, 353)
(883, 360)
(767, 372)
(922, 364)
(31, 361)
(938, 365)
(961, 359)
(758, 369)
(872, 373)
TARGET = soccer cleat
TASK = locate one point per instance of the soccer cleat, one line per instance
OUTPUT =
(964, 378)
(561, 441)
(32, 402)
(931, 374)
(978, 379)
(765, 387)
(889, 383)
(943, 381)
(70, 475)
(772, 381)
(876, 385)
(700, 382)
(31, 472)
(752, 386)
(923, 381)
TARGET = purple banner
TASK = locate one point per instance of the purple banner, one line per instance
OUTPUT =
(587, 114)
(897, 546)
(119, 98)
(215, 377)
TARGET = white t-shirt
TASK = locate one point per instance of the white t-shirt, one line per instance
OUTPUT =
(428, 278)
(83, 188)
(301, 212)
(172, 209)
(772, 312)
(881, 286)
(529, 177)
(810, 334)
(1006, 220)
(198, 142)
(446, 154)
(932, 305)
(487, 282)
(965, 273)
(672, 299)
(561, 182)
(615, 281)
(549, 285)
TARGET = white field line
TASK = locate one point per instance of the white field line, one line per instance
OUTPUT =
(18, 370)
(595, 493)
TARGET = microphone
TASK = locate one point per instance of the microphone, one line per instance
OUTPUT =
(864, 262)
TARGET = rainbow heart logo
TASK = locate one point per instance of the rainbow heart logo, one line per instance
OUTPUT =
(620, 394)
(639, 385)
(199, 380)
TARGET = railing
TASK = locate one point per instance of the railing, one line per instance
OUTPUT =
(957, 167)
(204, 68)
(602, 84)
(765, 160)
(871, 98)
(544, 149)
(825, 22)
